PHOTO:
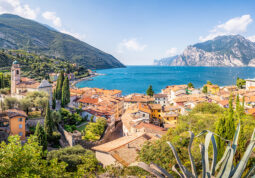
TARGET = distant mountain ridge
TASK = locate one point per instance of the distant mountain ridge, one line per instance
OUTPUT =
(232, 50)
(20, 33)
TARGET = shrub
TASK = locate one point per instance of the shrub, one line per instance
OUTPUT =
(75, 157)
(210, 108)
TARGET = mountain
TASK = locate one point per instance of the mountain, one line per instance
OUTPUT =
(232, 50)
(164, 61)
(20, 33)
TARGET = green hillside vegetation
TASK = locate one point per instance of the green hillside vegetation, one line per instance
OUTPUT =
(38, 66)
(204, 116)
(20, 33)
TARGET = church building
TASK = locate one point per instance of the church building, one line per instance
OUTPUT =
(21, 85)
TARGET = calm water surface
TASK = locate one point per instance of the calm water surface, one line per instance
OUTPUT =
(136, 79)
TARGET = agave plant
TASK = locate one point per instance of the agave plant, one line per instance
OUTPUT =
(224, 168)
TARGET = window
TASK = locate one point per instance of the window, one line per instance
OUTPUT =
(143, 115)
(158, 110)
(17, 72)
(20, 119)
(20, 126)
(20, 134)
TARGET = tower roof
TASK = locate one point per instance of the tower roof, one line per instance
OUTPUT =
(15, 62)
(44, 84)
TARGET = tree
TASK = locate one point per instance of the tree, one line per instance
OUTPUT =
(41, 136)
(25, 105)
(38, 100)
(54, 100)
(240, 82)
(19, 160)
(190, 85)
(150, 91)
(204, 90)
(221, 131)
(230, 122)
(65, 93)
(48, 122)
(10, 103)
(209, 83)
(75, 157)
(59, 85)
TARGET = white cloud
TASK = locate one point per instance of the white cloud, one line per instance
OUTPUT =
(251, 38)
(53, 18)
(171, 52)
(76, 35)
(131, 45)
(18, 8)
(231, 27)
(56, 21)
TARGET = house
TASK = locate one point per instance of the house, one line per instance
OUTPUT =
(213, 89)
(88, 101)
(150, 129)
(250, 84)
(174, 91)
(137, 98)
(251, 112)
(224, 103)
(13, 122)
(122, 151)
(53, 77)
(161, 99)
(156, 110)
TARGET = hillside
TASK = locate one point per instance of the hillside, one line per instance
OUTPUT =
(20, 33)
(232, 50)
(37, 66)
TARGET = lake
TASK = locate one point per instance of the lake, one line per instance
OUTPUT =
(136, 79)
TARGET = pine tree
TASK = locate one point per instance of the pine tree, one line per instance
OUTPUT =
(48, 122)
(59, 86)
(54, 100)
(41, 136)
(150, 91)
(65, 93)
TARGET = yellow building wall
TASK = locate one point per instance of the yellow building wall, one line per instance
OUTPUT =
(156, 113)
(14, 126)
(171, 119)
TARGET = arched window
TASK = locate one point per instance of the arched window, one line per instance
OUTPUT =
(17, 71)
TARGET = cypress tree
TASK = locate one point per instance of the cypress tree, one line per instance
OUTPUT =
(230, 122)
(221, 131)
(48, 122)
(150, 91)
(238, 106)
(65, 93)
(54, 100)
(41, 136)
(59, 86)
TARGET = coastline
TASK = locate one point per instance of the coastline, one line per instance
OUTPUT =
(74, 82)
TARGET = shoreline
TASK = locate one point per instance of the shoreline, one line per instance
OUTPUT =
(88, 78)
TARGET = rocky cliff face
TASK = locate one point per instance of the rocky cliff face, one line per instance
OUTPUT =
(221, 51)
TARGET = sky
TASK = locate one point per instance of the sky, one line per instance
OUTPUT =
(138, 31)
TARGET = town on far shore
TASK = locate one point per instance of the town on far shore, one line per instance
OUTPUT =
(123, 122)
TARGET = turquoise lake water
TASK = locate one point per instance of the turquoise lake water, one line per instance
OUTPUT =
(136, 79)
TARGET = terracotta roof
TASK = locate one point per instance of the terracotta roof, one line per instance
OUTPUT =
(115, 144)
(138, 98)
(14, 112)
(150, 126)
(251, 111)
(155, 106)
(28, 83)
(88, 100)
(224, 102)
(144, 108)
(160, 96)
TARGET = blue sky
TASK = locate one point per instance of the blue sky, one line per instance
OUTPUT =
(138, 31)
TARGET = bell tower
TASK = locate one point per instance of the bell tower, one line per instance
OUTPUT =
(15, 76)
